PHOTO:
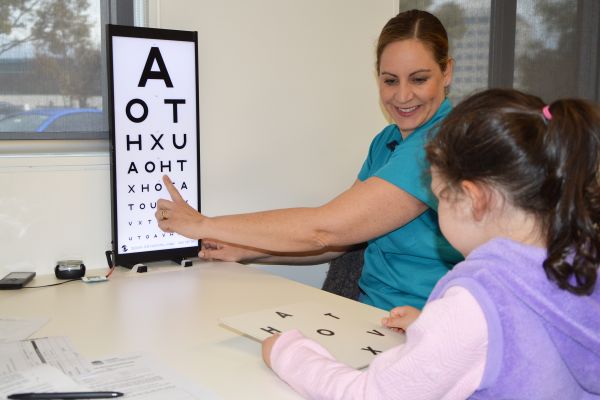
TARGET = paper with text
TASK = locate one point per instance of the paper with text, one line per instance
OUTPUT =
(41, 378)
(141, 377)
(56, 351)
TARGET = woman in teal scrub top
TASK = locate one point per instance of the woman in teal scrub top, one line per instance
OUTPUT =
(390, 205)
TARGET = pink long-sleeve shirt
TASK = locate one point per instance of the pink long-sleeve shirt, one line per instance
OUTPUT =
(443, 358)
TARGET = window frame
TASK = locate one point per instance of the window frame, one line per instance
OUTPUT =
(119, 12)
(502, 46)
(588, 38)
(501, 69)
(501, 62)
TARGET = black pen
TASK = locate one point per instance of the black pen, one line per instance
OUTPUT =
(65, 395)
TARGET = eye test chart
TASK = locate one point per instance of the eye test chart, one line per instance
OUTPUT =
(154, 131)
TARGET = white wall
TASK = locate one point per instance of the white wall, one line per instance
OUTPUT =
(288, 106)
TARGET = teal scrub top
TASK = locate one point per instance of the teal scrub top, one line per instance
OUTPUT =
(402, 266)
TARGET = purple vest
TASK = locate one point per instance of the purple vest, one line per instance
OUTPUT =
(544, 342)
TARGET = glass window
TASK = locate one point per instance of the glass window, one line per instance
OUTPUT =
(82, 120)
(52, 68)
(546, 52)
(547, 48)
(22, 122)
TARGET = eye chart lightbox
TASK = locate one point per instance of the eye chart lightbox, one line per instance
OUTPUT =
(154, 131)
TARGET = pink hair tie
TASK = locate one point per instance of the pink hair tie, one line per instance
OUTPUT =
(546, 112)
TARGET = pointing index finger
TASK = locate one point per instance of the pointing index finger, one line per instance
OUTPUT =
(172, 190)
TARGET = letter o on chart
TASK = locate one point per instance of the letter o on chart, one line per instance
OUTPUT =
(132, 118)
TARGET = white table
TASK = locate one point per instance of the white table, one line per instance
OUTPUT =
(172, 313)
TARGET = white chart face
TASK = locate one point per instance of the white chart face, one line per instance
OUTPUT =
(155, 134)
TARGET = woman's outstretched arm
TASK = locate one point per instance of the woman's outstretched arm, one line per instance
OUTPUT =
(365, 211)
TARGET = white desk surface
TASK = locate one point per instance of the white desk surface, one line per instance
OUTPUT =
(173, 313)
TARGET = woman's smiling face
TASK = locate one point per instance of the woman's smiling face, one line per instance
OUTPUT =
(411, 83)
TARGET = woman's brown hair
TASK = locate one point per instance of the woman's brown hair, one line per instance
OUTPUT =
(420, 25)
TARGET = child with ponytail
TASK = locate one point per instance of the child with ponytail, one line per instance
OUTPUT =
(519, 195)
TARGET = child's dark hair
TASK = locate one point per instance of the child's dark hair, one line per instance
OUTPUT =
(547, 165)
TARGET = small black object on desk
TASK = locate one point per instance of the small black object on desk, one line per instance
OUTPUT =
(186, 263)
(16, 280)
(69, 269)
(140, 268)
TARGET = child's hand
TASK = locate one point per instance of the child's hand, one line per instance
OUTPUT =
(400, 318)
(267, 345)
